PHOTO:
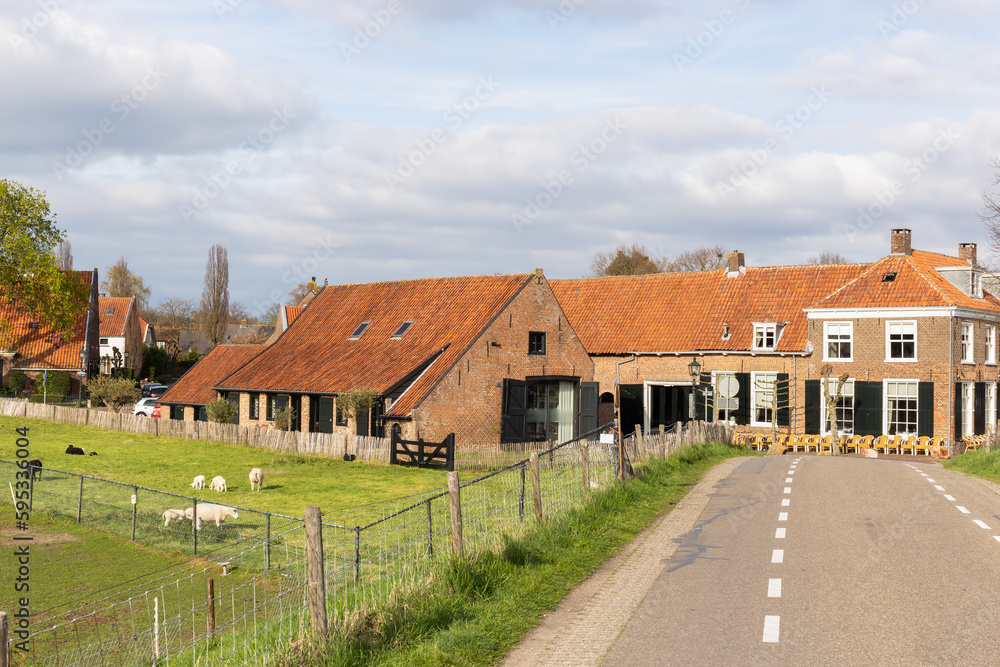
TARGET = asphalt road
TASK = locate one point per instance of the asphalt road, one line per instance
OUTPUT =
(828, 561)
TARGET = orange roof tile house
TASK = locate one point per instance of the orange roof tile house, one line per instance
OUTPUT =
(33, 347)
(189, 397)
(489, 358)
(122, 334)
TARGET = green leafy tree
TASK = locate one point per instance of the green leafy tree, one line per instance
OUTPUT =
(114, 392)
(222, 411)
(29, 268)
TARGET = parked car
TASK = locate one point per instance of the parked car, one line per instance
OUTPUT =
(156, 392)
(144, 406)
(150, 386)
(155, 414)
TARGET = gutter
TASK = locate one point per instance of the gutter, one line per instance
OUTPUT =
(723, 353)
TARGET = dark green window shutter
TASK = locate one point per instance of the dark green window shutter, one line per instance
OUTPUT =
(589, 398)
(515, 395)
(781, 398)
(958, 411)
(867, 408)
(812, 409)
(743, 396)
(925, 409)
(980, 409)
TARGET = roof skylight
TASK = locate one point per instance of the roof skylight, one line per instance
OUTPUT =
(360, 330)
(403, 328)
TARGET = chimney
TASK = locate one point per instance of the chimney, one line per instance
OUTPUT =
(539, 274)
(737, 263)
(967, 251)
(900, 244)
(312, 284)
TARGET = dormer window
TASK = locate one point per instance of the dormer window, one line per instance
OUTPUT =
(889, 277)
(403, 328)
(976, 284)
(360, 330)
(110, 310)
(765, 335)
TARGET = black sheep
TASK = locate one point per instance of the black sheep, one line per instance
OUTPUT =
(74, 450)
(35, 466)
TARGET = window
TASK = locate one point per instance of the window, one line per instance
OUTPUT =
(725, 406)
(763, 386)
(403, 328)
(901, 407)
(536, 342)
(967, 343)
(104, 341)
(975, 285)
(901, 341)
(968, 408)
(340, 419)
(110, 310)
(838, 340)
(764, 336)
(254, 406)
(991, 407)
(844, 407)
(990, 338)
(360, 330)
(274, 404)
(550, 412)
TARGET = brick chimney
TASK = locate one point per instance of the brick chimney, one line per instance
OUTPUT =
(737, 263)
(311, 285)
(967, 251)
(900, 244)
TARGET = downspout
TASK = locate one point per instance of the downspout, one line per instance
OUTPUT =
(951, 383)
(795, 396)
(618, 410)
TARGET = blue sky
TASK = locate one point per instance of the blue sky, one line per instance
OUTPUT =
(363, 141)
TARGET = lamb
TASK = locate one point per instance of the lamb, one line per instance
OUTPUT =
(199, 482)
(211, 511)
(218, 484)
(256, 479)
(170, 515)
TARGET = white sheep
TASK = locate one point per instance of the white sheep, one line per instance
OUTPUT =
(256, 479)
(170, 515)
(218, 484)
(199, 482)
(211, 511)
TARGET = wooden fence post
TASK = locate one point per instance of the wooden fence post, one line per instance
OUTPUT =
(455, 505)
(585, 466)
(211, 607)
(315, 575)
(536, 485)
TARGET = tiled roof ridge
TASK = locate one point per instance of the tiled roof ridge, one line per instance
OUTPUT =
(916, 267)
(427, 280)
(708, 272)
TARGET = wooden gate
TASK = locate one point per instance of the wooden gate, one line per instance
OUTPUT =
(423, 454)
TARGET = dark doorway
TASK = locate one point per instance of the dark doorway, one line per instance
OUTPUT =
(668, 405)
(321, 411)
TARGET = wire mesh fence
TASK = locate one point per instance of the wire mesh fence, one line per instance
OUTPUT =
(257, 564)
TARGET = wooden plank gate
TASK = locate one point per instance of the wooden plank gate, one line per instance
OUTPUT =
(423, 454)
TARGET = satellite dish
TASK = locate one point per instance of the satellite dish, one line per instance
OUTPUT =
(728, 386)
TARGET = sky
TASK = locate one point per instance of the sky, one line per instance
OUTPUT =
(368, 140)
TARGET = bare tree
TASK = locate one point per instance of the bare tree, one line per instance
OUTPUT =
(119, 281)
(705, 258)
(828, 257)
(215, 295)
(991, 209)
(832, 400)
(171, 316)
(626, 260)
(239, 312)
(271, 315)
(65, 254)
(297, 293)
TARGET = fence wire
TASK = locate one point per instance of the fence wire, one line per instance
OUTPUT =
(257, 561)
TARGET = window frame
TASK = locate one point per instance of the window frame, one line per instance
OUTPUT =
(967, 404)
(402, 329)
(357, 333)
(254, 408)
(967, 347)
(991, 406)
(826, 341)
(730, 412)
(340, 409)
(886, 409)
(764, 328)
(533, 337)
(824, 420)
(888, 341)
(990, 342)
(753, 396)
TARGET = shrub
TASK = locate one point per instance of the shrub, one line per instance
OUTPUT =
(18, 382)
(115, 393)
(58, 384)
(221, 411)
(283, 418)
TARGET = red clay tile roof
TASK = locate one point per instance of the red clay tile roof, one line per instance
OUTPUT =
(291, 312)
(685, 312)
(113, 324)
(41, 348)
(195, 386)
(917, 284)
(315, 355)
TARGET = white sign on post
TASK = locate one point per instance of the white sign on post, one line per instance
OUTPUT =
(607, 438)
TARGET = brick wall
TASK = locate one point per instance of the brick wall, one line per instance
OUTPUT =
(468, 400)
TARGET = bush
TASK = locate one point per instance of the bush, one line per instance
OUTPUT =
(58, 384)
(115, 393)
(221, 411)
(283, 418)
(18, 382)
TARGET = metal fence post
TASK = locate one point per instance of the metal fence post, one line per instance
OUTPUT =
(315, 573)
(536, 485)
(267, 545)
(520, 504)
(585, 465)
(135, 502)
(194, 526)
(357, 553)
(211, 608)
(430, 532)
(79, 502)
(455, 505)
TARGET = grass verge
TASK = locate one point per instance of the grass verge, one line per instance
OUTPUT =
(979, 463)
(472, 612)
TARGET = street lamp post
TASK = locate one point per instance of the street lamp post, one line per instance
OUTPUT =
(81, 374)
(694, 369)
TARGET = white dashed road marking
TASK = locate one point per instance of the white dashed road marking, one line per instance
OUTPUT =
(788, 489)
(779, 533)
(778, 556)
(939, 487)
(788, 480)
(950, 498)
(981, 524)
(783, 516)
(931, 480)
(963, 510)
(771, 624)
(774, 588)
(785, 502)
